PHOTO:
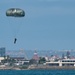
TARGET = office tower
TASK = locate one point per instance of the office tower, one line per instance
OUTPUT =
(2, 52)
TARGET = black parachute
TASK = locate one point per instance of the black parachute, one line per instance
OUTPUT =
(15, 12)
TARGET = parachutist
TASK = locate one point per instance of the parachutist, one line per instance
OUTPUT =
(15, 40)
(15, 12)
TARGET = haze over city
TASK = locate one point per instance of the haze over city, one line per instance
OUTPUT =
(47, 25)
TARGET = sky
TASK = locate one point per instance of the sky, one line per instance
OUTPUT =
(47, 25)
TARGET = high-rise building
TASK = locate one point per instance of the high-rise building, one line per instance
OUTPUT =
(2, 51)
(63, 56)
(68, 54)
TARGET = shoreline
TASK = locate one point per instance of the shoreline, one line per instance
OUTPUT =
(43, 67)
(53, 67)
(40, 68)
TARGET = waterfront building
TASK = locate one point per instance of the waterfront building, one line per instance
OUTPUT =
(1, 58)
(63, 62)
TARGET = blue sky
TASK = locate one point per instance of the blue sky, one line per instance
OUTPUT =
(48, 24)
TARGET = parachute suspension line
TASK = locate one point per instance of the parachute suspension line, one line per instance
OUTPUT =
(18, 27)
(13, 30)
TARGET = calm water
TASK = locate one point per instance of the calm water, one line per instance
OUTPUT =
(37, 72)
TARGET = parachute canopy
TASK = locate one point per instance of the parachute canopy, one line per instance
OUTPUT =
(15, 12)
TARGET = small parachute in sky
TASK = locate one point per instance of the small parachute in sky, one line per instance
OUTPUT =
(15, 12)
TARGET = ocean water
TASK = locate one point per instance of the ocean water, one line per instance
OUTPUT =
(37, 72)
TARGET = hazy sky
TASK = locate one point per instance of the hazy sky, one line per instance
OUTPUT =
(48, 24)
